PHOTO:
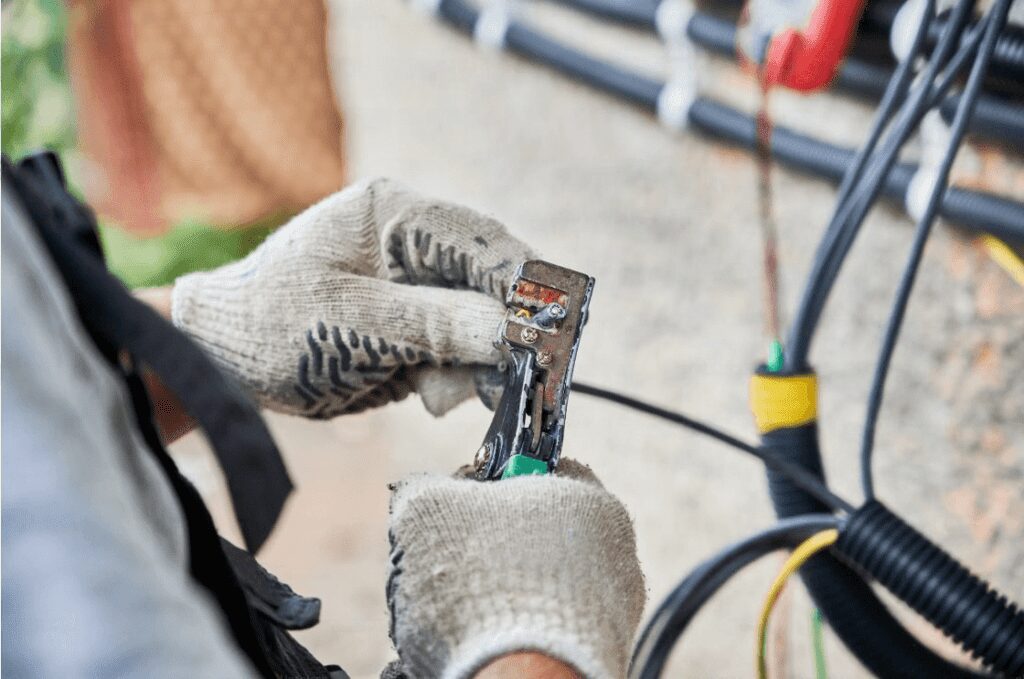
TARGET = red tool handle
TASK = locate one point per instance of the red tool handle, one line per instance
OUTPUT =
(808, 59)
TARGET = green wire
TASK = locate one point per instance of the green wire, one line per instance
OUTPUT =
(818, 638)
(776, 357)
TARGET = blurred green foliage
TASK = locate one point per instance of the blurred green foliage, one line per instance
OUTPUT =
(36, 100)
(189, 246)
(38, 112)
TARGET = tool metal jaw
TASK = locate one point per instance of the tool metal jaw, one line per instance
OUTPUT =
(546, 311)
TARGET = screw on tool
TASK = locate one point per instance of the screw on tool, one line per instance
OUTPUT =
(525, 436)
(483, 456)
(549, 315)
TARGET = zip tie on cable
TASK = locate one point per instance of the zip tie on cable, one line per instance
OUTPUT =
(934, 139)
(934, 131)
(904, 28)
(677, 95)
(671, 19)
(492, 24)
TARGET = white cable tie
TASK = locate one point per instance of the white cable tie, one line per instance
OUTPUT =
(904, 28)
(674, 102)
(935, 137)
(671, 19)
(680, 90)
(919, 192)
(491, 25)
(428, 7)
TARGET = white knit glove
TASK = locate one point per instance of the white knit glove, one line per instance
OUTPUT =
(531, 563)
(367, 295)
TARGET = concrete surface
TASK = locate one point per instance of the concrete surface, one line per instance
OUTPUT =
(668, 226)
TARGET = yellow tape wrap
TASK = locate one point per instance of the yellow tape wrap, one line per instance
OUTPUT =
(783, 401)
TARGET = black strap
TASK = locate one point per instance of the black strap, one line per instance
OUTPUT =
(256, 476)
(268, 595)
(208, 563)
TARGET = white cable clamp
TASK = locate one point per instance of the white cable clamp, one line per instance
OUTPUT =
(674, 102)
(680, 90)
(671, 19)
(904, 28)
(935, 137)
(492, 24)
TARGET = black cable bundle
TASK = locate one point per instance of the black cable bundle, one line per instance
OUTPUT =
(681, 606)
(995, 117)
(873, 543)
(846, 600)
(982, 212)
(935, 585)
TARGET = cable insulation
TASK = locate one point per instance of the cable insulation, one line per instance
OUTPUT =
(850, 212)
(800, 555)
(680, 607)
(999, 14)
(798, 475)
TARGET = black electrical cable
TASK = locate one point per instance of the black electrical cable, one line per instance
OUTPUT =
(849, 604)
(932, 78)
(859, 618)
(999, 14)
(994, 117)
(975, 211)
(639, 13)
(677, 610)
(982, 620)
(1007, 60)
(895, 92)
(877, 18)
(852, 208)
(798, 475)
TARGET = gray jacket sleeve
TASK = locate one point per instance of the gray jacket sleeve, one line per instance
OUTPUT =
(95, 576)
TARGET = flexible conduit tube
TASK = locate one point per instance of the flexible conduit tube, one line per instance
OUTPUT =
(872, 634)
(993, 118)
(975, 211)
(1001, 217)
(608, 77)
(1007, 61)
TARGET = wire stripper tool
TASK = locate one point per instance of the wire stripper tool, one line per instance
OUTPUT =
(546, 309)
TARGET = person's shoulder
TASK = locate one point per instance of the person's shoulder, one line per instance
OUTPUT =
(31, 283)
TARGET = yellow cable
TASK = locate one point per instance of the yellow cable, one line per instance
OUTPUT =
(800, 555)
(1003, 255)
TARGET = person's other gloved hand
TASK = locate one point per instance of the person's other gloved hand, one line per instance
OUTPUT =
(364, 297)
(532, 563)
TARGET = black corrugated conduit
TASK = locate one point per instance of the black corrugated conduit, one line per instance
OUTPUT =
(878, 17)
(877, 542)
(845, 599)
(972, 210)
(972, 613)
(994, 118)
(1007, 60)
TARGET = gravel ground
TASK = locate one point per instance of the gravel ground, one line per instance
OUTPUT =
(668, 226)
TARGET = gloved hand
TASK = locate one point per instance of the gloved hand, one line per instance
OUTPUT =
(364, 297)
(531, 563)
